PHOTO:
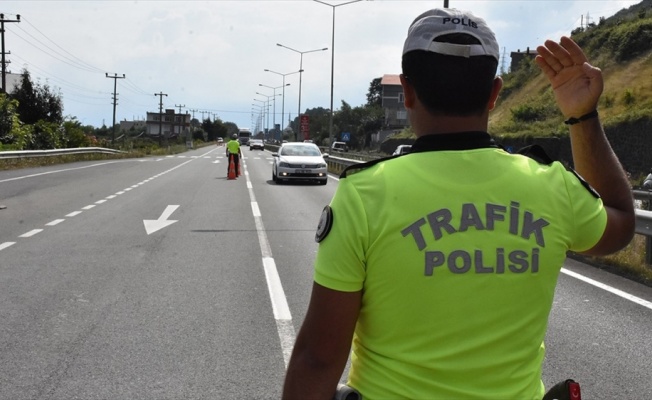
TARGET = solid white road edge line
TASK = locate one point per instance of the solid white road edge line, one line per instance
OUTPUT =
(280, 305)
(608, 288)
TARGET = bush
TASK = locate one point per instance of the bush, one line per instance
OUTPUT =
(628, 97)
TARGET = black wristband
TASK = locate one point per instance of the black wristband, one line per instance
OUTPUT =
(573, 120)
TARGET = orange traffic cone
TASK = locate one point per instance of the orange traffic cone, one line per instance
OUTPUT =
(231, 168)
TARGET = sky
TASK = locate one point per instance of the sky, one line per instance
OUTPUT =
(209, 58)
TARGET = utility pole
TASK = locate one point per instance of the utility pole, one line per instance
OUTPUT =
(4, 62)
(160, 114)
(192, 126)
(181, 121)
(115, 78)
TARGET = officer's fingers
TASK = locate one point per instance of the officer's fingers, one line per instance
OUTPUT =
(543, 65)
(562, 56)
(575, 53)
(546, 53)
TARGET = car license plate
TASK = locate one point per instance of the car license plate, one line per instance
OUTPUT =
(304, 171)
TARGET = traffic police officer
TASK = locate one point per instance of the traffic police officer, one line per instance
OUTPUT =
(233, 153)
(440, 266)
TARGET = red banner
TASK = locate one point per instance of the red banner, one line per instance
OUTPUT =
(304, 123)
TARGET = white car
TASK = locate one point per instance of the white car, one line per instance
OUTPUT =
(299, 161)
(402, 149)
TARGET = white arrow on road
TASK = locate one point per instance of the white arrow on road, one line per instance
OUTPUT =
(153, 225)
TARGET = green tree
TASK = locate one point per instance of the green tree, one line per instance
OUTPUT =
(370, 122)
(37, 102)
(74, 134)
(13, 133)
(231, 128)
(375, 93)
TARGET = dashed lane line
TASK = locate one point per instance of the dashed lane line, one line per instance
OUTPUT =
(6, 244)
(90, 206)
(31, 233)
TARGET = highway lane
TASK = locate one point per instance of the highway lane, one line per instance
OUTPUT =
(94, 307)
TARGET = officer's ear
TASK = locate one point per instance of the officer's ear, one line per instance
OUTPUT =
(409, 95)
(495, 91)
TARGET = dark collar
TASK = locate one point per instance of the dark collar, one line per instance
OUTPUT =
(444, 141)
(453, 141)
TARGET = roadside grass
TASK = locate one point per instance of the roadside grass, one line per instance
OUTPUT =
(629, 262)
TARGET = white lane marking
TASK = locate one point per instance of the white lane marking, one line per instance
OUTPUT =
(280, 306)
(609, 289)
(120, 192)
(6, 244)
(165, 215)
(153, 225)
(31, 233)
(54, 172)
(113, 196)
(276, 292)
(254, 209)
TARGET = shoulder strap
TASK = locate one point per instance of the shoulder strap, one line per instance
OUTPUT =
(537, 153)
(364, 165)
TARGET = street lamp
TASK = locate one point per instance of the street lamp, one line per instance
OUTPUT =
(330, 124)
(259, 119)
(274, 89)
(267, 110)
(283, 101)
(300, 73)
(263, 110)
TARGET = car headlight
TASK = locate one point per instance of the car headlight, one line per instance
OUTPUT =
(322, 165)
(284, 164)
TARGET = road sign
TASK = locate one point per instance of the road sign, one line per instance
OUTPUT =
(346, 136)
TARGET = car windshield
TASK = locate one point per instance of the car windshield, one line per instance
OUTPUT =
(300, 151)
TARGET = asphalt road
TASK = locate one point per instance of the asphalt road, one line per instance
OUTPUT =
(97, 303)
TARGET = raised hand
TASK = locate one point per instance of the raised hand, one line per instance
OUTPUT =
(576, 83)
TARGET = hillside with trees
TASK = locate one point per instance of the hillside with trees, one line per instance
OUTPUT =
(622, 47)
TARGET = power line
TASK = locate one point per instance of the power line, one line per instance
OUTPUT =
(66, 51)
(57, 56)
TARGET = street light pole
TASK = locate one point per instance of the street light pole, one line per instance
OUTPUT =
(330, 123)
(284, 85)
(274, 89)
(265, 108)
(267, 111)
(300, 73)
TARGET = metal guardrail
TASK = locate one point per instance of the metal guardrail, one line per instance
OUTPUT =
(644, 221)
(56, 152)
